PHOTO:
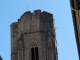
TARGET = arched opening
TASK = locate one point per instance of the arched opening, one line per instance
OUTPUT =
(34, 53)
(34, 49)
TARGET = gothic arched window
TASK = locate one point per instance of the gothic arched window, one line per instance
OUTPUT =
(34, 51)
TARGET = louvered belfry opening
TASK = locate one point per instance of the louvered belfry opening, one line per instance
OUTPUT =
(34, 53)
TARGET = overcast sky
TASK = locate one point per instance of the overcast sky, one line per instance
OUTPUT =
(11, 10)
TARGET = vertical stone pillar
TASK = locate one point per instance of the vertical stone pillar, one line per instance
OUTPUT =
(14, 33)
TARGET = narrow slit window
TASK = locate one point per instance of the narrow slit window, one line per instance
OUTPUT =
(32, 54)
(36, 53)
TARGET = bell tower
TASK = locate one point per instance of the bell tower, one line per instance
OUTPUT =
(33, 37)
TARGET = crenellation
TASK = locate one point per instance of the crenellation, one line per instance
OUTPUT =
(47, 13)
(26, 13)
(37, 12)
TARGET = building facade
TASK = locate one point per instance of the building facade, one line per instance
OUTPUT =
(75, 8)
(33, 37)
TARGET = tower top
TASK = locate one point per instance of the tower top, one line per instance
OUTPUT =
(35, 18)
(35, 12)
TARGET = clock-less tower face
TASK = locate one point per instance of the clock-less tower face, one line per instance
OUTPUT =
(35, 38)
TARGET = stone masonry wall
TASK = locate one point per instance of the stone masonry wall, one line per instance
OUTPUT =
(38, 30)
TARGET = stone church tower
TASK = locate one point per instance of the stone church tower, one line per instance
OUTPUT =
(33, 37)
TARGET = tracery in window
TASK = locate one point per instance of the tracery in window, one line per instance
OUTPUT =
(34, 50)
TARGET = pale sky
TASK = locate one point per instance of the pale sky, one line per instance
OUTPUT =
(11, 10)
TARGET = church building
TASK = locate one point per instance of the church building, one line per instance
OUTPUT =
(33, 37)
